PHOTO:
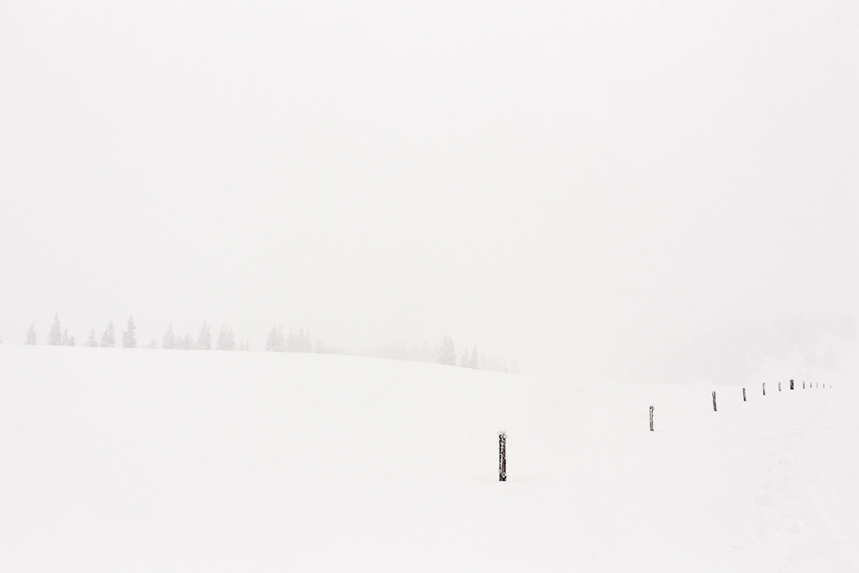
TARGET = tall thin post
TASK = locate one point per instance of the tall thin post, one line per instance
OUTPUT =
(744, 394)
(502, 456)
(651, 418)
(714, 400)
(791, 384)
(779, 386)
(764, 386)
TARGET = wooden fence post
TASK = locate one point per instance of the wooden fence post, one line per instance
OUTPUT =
(744, 394)
(651, 418)
(714, 400)
(502, 456)
(764, 386)
(791, 384)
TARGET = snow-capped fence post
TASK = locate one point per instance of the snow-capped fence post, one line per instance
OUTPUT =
(651, 418)
(791, 384)
(502, 456)
(744, 394)
(714, 400)
(764, 387)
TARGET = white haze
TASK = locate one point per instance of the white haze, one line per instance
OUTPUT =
(599, 189)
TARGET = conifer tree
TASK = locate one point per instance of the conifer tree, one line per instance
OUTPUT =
(108, 339)
(68, 340)
(465, 360)
(55, 336)
(447, 352)
(204, 340)
(185, 343)
(169, 340)
(91, 341)
(472, 359)
(300, 342)
(31, 334)
(275, 341)
(226, 340)
(129, 340)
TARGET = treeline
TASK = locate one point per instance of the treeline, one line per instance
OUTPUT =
(277, 341)
(60, 337)
(443, 352)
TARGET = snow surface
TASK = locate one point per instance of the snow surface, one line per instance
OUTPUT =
(145, 460)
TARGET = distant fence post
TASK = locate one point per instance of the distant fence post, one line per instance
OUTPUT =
(803, 384)
(764, 386)
(714, 400)
(502, 456)
(651, 418)
(779, 386)
(744, 394)
(791, 384)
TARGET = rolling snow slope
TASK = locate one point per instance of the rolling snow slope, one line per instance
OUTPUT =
(117, 460)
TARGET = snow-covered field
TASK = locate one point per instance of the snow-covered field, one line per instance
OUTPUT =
(117, 460)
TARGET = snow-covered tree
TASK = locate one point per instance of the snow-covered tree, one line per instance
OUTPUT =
(91, 341)
(185, 343)
(243, 345)
(204, 340)
(169, 340)
(300, 342)
(152, 344)
(472, 358)
(447, 353)
(108, 339)
(275, 341)
(55, 336)
(226, 340)
(68, 340)
(129, 340)
(31, 334)
(464, 360)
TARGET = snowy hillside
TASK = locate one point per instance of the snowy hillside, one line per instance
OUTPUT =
(115, 460)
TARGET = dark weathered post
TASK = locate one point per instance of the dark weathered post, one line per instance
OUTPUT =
(651, 418)
(803, 384)
(714, 400)
(502, 456)
(779, 386)
(791, 384)
(764, 386)
(744, 394)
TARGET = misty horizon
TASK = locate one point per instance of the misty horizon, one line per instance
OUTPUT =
(604, 191)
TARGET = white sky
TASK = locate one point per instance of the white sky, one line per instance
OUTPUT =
(579, 186)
